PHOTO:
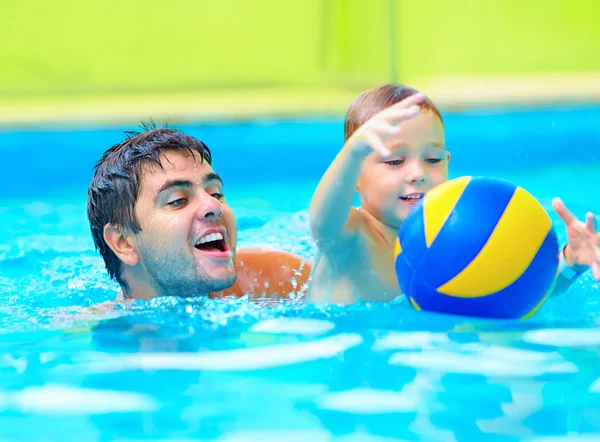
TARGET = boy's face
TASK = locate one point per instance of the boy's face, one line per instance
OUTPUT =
(390, 187)
(188, 237)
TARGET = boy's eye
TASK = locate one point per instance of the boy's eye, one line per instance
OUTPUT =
(178, 202)
(394, 162)
(433, 160)
(217, 195)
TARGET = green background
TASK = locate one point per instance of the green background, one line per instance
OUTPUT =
(68, 47)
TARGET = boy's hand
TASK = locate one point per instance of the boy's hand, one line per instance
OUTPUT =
(583, 248)
(377, 133)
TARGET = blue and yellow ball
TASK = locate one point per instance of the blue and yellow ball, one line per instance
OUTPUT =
(477, 247)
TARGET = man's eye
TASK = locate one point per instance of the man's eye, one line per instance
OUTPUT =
(178, 202)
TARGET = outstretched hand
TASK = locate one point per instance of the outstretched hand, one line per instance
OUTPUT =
(583, 248)
(380, 131)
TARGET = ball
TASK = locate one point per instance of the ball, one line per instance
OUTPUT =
(476, 246)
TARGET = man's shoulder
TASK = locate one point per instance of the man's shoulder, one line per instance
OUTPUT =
(270, 272)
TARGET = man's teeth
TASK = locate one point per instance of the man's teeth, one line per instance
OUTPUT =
(210, 238)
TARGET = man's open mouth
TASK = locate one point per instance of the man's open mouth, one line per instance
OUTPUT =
(213, 242)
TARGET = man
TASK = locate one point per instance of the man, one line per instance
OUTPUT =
(160, 220)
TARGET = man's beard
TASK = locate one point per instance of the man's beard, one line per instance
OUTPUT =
(173, 273)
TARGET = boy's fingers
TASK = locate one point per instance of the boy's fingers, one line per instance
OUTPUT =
(590, 221)
(395, 116)
(384, 128)
(596, 269)
(409, 101)
(562, 211)
(392, 142)
(377, 145)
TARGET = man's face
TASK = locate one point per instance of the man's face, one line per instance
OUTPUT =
(188, 232)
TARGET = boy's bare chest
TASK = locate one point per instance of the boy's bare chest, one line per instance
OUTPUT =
(378, 272)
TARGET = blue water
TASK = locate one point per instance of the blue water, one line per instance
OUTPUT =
(242, 370)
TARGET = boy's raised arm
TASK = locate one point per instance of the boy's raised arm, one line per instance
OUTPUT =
(332, 201)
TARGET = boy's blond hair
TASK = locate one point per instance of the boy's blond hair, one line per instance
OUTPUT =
(373, 101)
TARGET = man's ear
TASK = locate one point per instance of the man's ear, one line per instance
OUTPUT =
(121, 244)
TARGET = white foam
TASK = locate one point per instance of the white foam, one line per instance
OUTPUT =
(137, 438)
(298, 326)
(230, 360)
(367, 401)
(589, 437)
(360, 436)
(371, 401)
(512, 422)
(448, 362)
(65, 399)
(409, 340)
(564, 337)
(301, 435)
(296, 435)
(20, 364)
(508, 353)
(595, 387)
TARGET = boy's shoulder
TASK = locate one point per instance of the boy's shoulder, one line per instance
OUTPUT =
(356, 220)
(362, 226)
(352, 245)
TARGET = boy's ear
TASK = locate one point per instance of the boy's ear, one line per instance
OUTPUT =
(122, 244)
(448, 155)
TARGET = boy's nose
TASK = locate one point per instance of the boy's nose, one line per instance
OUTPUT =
(416, 174)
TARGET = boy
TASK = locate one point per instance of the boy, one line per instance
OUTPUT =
(394, 153)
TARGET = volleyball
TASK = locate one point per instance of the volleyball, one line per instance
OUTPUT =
(476, 246)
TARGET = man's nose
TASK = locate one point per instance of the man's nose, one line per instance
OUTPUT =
(210, 207)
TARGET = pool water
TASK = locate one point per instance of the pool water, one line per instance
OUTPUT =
(240, 370)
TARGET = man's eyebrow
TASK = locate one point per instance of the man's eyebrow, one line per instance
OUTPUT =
(212, 177)
(187, 184)
(174, 183)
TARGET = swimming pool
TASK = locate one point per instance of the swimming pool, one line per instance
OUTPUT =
(206, 370)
